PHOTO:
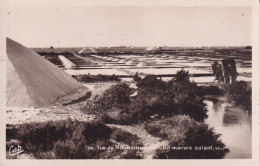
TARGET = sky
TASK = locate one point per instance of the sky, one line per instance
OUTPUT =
(82, 25)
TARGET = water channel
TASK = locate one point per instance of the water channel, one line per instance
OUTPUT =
(235, 125)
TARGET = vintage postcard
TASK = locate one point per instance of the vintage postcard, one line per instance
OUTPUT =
(130, 82)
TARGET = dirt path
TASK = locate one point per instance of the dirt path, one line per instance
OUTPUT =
(150, 142)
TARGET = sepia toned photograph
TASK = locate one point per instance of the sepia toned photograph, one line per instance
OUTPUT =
(128, 82)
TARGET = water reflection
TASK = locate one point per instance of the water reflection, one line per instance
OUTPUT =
(234, 125)
(216, 104)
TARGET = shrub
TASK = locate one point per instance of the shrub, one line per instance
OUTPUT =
(170, 128)
(166, 99)
(41, 136)
(70, 150)
(182, 76)
(240, 93)
(69, 139)
(186, 92)
(123, 117)
(116, 96)
(188, 99)
(158, 97)
(182, 131)
(126, 138)
(89, 149)
(11, 131)
(96, 131)
(211, 90)
(96, 78)
(154, 97)
(196, 111)
(152, 84)
(136, 77)
(132, 154)
(119, 93)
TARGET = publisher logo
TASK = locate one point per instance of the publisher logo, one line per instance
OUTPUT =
(15, 150)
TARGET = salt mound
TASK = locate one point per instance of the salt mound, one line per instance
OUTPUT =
(141, 64)
(33, 81)
(164, 56)
(67, 63)
(93, 50)
(87, 50)
(130, 63)
(122, 61)
(115, 60)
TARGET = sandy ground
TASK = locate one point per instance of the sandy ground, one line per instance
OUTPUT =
(19, 116)
(16, 115)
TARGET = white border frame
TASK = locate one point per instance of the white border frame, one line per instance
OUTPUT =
(255, 82)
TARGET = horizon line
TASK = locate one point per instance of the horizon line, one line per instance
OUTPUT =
(136, 46)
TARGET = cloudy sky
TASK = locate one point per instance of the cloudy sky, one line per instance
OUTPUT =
(82, 25)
